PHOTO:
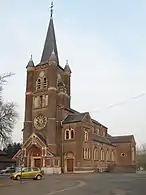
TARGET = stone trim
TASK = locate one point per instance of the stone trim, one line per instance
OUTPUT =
(28, 93)
(30, 138)
(52, 88)
(63, 93)
(31, 68)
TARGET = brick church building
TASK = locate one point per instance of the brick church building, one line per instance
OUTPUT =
(58, 138)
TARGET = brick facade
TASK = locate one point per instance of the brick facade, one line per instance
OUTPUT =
(54, 134)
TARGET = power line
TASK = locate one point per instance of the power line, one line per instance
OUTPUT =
(121, 103)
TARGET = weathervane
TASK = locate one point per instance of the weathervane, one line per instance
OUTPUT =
(52, 5)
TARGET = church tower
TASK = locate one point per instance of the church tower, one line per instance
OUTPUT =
(47, 93)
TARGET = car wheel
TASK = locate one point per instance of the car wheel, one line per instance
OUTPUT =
(18, 177)
(38, 177)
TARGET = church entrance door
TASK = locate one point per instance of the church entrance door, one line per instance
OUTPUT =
(37, 162)
(70, 165)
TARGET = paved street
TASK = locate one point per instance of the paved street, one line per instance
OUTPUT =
(82, 184)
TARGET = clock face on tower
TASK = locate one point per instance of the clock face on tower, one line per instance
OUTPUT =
(40, 121)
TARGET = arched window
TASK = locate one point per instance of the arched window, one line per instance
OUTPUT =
(38, 84)
(66, 134)
(41, 101)
(113, 158)
(86, 153)
(107, 155)
(72, 133)
(85, 136)
(133, 154)
(69, 134)
(41, 83)
(95, 154)
(102, 154)
(45, 82)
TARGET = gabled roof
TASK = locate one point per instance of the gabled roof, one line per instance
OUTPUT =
(121, 139)
(34, 136)
(96, 122)
(75, 118)
(72, 111)
(30, 63)
(50, 44)
(42, 138)
(101, 139)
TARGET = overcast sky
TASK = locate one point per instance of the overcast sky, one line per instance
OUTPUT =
(105, 43)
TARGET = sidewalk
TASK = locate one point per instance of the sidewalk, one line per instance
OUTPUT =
(4, 183)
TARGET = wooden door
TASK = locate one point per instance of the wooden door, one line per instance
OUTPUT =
(69, 165)
(37, 163)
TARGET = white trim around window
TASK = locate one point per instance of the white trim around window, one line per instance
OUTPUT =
(69, 134)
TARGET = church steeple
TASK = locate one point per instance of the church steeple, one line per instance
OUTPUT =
(50, 42)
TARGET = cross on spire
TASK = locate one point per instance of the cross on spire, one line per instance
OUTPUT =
(52, 5)
(50, 42)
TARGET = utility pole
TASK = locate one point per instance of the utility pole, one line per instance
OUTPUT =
(62, 155)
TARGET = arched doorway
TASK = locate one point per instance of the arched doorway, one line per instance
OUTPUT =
(35, 157)
(70, 162)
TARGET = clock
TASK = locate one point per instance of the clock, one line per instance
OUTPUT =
(40, 121)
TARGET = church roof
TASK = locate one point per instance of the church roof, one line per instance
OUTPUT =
(72, 111)
(75, 112)
(30, 63)
(121, 139)
(42, 138)
(101, 139)
(50, 43)
(96, 122)
(75, 118)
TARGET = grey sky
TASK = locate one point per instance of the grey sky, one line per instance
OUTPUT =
(106, 48)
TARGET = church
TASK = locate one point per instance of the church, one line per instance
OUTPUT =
(59, 139)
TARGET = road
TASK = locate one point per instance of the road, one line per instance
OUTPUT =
(81, 184)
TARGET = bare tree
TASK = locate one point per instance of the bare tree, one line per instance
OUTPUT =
(141, 156)
(8, 114)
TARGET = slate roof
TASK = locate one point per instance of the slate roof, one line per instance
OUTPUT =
(67, 68)
(108, 135)
(53, 56)
(121, 139)
(41, 138)
(50, 44)
(74, 118)
(75, 112)
(30, 63)
(72, 110)
(101, 139)
(45, 142)
(96, 122)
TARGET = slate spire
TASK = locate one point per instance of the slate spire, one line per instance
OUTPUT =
(50, 42)
(67, 68)
(30, 63)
